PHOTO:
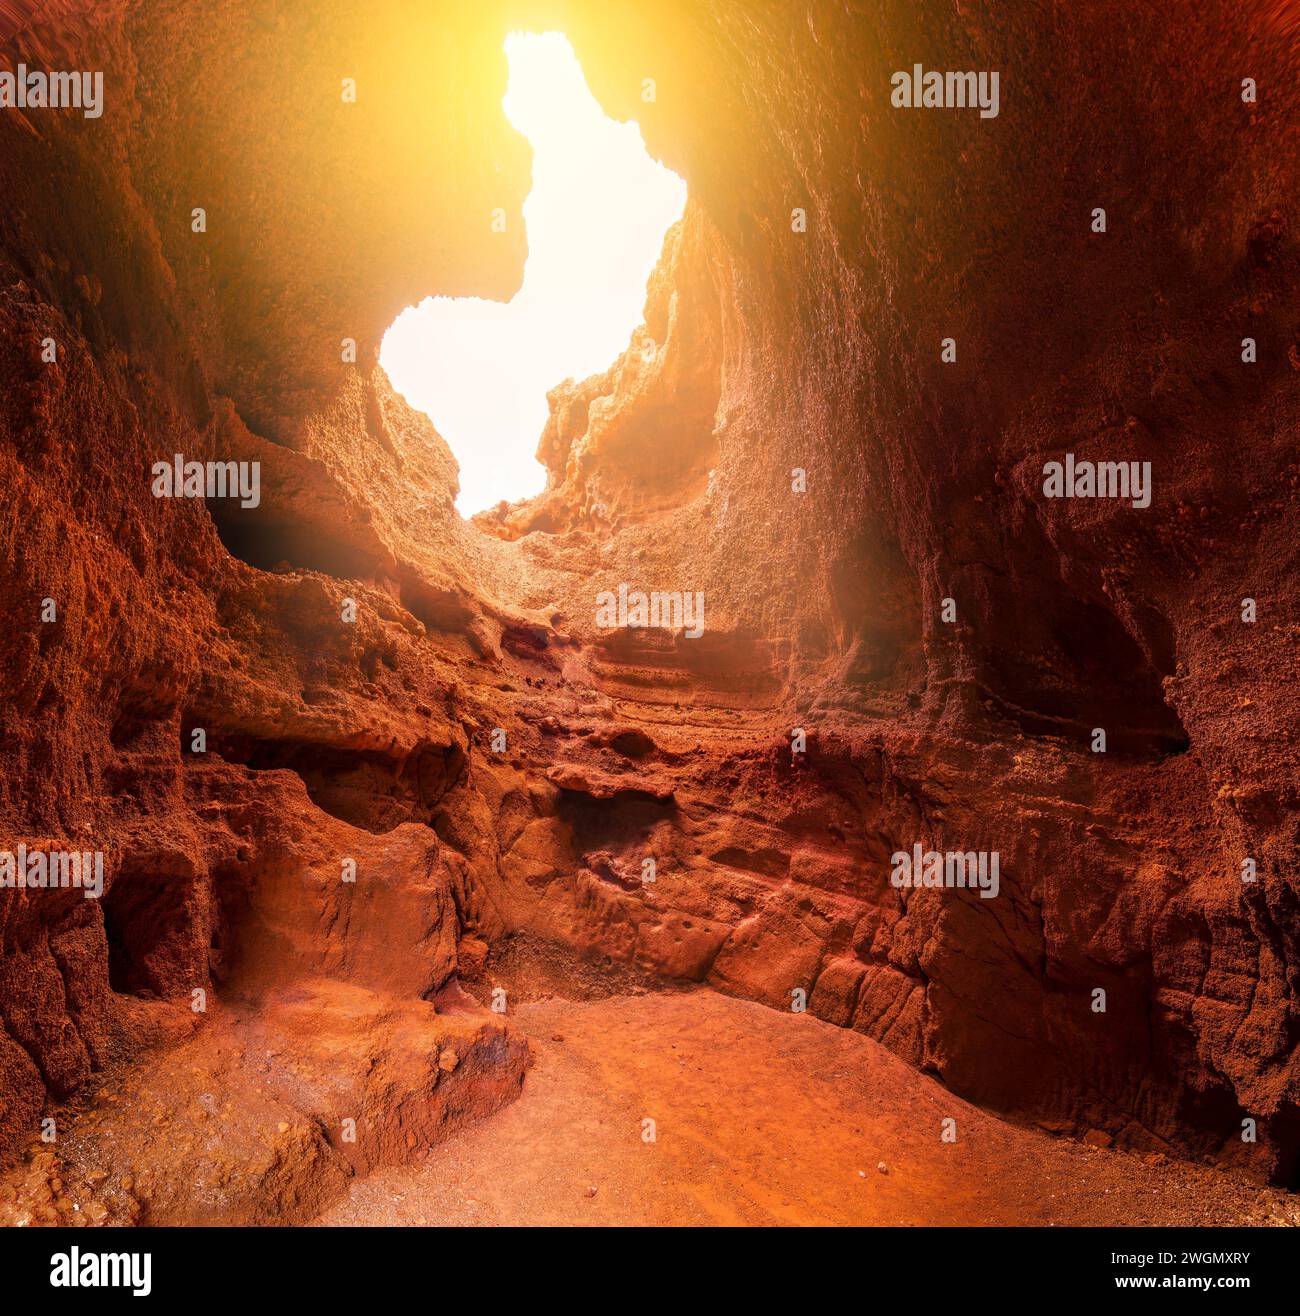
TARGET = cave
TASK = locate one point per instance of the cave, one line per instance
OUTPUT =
(541, 903)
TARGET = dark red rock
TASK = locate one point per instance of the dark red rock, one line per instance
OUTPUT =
(774, 350)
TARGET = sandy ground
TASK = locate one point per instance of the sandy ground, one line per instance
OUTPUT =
(765, 1118)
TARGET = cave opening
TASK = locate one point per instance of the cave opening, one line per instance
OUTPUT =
(449, 816)
(150, 915)
(596, 217)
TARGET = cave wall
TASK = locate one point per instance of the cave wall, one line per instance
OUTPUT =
(925, 485)
(769, 350)
(172, 616)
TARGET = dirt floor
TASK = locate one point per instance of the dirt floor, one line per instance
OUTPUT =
(764, 1118)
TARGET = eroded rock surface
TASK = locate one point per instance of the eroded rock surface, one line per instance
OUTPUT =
(765, 351)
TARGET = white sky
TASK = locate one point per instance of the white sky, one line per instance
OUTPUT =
(596, 219)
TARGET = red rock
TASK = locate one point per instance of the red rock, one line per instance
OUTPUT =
(775, 351)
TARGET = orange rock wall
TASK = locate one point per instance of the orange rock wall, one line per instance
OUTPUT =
(771, 350)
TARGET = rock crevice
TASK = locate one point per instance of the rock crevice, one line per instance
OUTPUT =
(379, 681)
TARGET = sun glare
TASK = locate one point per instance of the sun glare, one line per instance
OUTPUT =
(596, 219)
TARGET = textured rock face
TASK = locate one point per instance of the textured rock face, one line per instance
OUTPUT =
(326, 744)
(765, 350)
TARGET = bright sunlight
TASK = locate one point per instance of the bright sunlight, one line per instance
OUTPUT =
(596, 219)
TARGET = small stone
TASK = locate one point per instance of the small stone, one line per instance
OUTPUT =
(882, 1167)
(448, 1061)
(591, 1190)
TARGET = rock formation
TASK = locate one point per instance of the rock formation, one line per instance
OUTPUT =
(865, 520)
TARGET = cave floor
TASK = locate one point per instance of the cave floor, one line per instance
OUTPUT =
(765, 1118)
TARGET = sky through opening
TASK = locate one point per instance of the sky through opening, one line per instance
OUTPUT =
(595, 219)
